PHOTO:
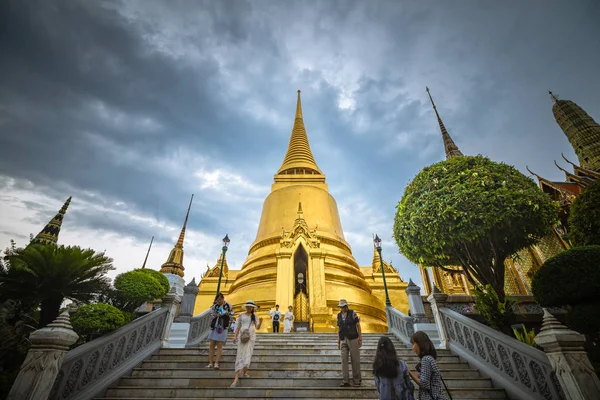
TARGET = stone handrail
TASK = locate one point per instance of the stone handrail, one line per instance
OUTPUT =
(400, 325)
(522, 370)
(199, 329)
(90, 368)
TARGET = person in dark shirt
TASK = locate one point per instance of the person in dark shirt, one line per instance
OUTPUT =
(349, 342)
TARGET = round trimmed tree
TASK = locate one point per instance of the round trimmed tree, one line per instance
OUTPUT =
(135, 287)
(472, 212)
(584, 217)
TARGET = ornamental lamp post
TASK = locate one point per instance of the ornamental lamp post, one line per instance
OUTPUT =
(225, 245)
(377, 243)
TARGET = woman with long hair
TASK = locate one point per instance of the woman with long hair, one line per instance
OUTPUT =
(221, 313)
(288, 320)
(430, 379)
(246, 327)
(391, 375)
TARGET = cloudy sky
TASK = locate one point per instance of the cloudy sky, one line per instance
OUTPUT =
(132, 106)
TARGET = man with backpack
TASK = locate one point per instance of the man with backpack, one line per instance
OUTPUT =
(275, 318)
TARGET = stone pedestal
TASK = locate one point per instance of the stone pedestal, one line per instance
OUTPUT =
(417, 310)
(44, 360)
(171, 301)
(177, 282)
(323, 320)
(188, 303)
(569, 360)
(437, 301)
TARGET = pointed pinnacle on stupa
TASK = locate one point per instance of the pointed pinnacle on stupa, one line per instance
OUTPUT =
(299, 157)
(450, 148)
(49, 235)
(182, 234)
(554, 97)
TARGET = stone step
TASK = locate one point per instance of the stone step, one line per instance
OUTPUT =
(148, 372)
(212, 392)
(224, 382)
(286, 357)
(277, 364)
(261, 350)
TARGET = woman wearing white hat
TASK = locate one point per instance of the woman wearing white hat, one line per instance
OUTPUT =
(247, 325)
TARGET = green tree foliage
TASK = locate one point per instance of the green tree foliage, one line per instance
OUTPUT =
(569, 278)
(472, 212)
(46, 275)
(135, 287)
(584, 217)
(94, 320)
(159, 276)
(498, 314)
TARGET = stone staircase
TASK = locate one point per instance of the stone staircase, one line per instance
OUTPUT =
(296, 365)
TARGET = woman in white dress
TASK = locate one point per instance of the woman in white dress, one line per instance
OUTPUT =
(245, 322)
(288, 320)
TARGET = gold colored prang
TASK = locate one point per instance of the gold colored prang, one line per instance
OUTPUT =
(174, 264)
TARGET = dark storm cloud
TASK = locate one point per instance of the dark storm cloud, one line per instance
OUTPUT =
(145, 102)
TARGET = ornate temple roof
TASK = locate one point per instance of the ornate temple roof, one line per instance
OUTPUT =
(450, 147)
(49, 235)
(376, 264)
(581, 130)
(174, 264)
(215, 271)
(299, 157)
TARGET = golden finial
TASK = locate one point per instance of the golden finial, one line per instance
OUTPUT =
(148, 253)
(174, 264)
(299, 106)
(554, 97)
(299, 207)
(182, 234)
(49, 235)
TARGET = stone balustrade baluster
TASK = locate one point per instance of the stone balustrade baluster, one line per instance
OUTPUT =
(170, 302)
(437, 300)
(44, 359)
(417, 310)
(569, 360)
(188, 303)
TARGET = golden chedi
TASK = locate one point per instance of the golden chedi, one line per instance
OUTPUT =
(300, 256)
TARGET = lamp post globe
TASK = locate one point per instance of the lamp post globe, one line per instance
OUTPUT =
(224, 250)
(377, 243)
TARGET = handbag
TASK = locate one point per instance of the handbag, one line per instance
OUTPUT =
(245, 336)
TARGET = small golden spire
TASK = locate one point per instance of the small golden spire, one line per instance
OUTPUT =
(450, 147)
(299, 207)
(554, 97)
(49, 235)
(148, 253)
(174, 264)
(299, 158)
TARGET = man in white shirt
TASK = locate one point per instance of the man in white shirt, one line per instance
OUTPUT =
(275, 318)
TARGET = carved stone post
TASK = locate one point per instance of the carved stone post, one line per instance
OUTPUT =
(44, 359)
(437, 300)
(171, 301)
(186, 311)
(569, 360)
(416, 303)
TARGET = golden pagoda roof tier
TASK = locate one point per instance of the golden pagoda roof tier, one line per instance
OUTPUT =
(49, 235)
(298, 158)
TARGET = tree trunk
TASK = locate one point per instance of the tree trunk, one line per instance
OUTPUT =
(49, 310)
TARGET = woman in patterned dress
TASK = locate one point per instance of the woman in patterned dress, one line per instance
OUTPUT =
(430, 379)
(245, 322)
(221, 313)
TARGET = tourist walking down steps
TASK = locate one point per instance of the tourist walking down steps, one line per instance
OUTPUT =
(391, 375)
(349, 342)
(221, 313)
(430, 379)
(275, 318)
(246, 328)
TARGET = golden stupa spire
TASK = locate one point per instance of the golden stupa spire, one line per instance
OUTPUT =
(298, 158)
(450, 147)
(554, 97)
(49, 235)
(174, 264)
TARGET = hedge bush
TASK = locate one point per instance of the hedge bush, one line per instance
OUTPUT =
(135, 287)
(569, 278)
(93, 320)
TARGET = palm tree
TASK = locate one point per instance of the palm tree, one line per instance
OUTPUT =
(46, 275)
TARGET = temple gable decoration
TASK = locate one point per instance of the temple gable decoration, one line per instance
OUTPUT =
(300, 229)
